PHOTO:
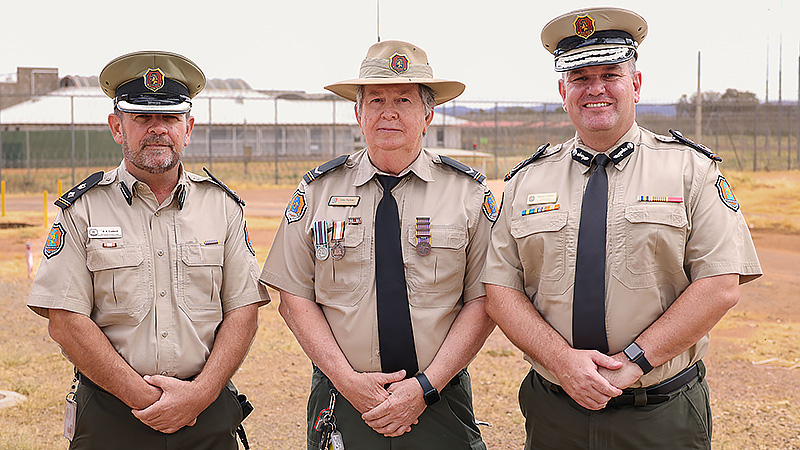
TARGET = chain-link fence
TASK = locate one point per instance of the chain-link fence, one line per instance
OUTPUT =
(267, 140)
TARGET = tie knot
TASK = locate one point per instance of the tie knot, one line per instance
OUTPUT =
(388, 182)
(601, 159)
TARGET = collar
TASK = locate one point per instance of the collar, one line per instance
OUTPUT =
(365, 170)
(619, 152)
(130, 183)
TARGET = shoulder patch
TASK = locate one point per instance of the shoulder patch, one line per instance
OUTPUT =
(699, 147)
(322, 169)
(463, 168)
(490, 208)
(296, 207)
(538, 154)
(726, 193)
(69, 197)
(225, 188)
(55, 241)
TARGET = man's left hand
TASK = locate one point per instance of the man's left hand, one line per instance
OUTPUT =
(397, 413)
(179, 405)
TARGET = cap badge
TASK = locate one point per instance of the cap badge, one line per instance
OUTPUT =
(154, 79)
(584, 26)
(398, 63)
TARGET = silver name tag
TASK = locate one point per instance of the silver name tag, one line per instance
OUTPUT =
(105, 232)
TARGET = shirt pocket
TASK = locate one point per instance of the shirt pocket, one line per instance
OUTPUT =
(339, 279)
(655, 240)
(200, 281)
(541, 243)
(121, 286)
(442, 270)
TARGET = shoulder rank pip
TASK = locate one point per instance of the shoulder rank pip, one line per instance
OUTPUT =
(224, 187)
(538, 154)
(463, 168)
(322, 169)
(69, 197)
(699, 147)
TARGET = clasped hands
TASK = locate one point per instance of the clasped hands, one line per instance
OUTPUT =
(390, 410)
(592, 378)
(172, 403)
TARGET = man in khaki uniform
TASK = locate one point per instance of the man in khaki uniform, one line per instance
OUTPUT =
(149, 279)
(334, 255)
(614, 255)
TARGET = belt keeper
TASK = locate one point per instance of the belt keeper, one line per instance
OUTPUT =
(639, 397)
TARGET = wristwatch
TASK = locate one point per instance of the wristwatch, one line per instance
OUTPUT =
(430, 394)
(635, 354)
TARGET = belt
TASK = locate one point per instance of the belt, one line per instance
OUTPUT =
(88, 383)
(658, 393)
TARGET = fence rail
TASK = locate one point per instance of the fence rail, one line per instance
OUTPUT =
(269, 140)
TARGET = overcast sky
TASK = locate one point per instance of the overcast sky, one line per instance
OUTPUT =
(494, 47)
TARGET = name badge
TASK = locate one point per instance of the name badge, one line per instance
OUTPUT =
(539, 199)
(344, 200)
(105, 232)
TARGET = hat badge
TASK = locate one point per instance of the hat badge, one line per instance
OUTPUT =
(584, 26)
(154, 79)
(398, 63)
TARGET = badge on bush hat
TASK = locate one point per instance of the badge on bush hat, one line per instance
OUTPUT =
(153, 82)
(397, 62)
(593, 37)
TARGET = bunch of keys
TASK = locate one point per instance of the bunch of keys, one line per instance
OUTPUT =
(331, 438)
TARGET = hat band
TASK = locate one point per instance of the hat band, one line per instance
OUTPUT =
(594, 57)
(379, 68)
(605, 37)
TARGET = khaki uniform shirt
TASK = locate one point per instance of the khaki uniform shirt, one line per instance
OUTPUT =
(438, 284)
(159, 284)
(654, 249)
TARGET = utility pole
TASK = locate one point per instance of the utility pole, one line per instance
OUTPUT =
(698, 114)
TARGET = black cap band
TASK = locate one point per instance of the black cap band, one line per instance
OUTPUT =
(135, 92)
(605, 37)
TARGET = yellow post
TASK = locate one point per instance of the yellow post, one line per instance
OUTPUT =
(3, 195)
(59, 188)
(45, 209)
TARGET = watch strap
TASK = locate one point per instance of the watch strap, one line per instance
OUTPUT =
(639, 359)
(430, 394)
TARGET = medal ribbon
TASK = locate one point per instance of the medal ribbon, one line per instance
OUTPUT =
(423, 229)
(338, 230)
(320, 233)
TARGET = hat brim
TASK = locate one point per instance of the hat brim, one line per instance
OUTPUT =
(180, 108)
(444, 90)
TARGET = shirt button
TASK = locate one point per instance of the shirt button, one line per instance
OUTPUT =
(164, 333)
(164, 372)
(160, 253)
(162, 293)
(158, 213)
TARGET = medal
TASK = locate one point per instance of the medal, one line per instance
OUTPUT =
(337, 248)
(423, 236)
(321, 240)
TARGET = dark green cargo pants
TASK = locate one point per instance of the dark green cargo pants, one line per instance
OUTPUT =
(449, 424)
(554, 421)
(104, 422)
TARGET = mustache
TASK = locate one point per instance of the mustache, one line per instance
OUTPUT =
(157, 140)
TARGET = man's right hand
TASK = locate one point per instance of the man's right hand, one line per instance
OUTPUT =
(365, 390)
(579, 376)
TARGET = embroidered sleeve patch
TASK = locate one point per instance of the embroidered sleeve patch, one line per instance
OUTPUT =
(490, 208)
(296, 207)
(247, 240)
(55, 241)
(726, 193)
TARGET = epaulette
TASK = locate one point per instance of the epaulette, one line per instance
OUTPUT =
(224, 187)
(69, 197)
(699, 147)
(322, 169)
(463, 168)
(538, 154)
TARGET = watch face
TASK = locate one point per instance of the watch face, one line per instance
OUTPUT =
(633, 351)
(432, 397)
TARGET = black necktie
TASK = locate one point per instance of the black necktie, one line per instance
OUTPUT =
(395, 336)
(589, 304)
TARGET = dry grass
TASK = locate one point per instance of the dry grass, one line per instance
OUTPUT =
(750, 413)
